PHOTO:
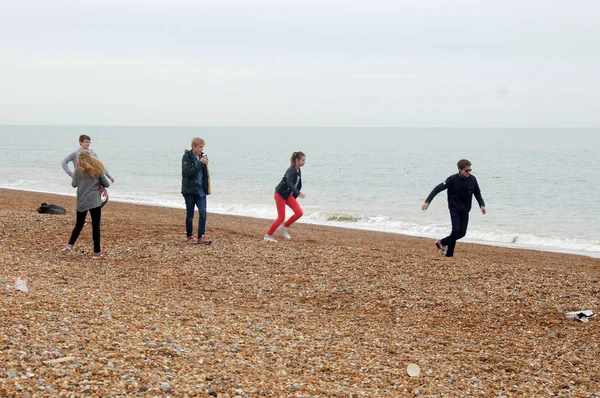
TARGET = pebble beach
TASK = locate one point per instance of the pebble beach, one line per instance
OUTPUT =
(332, 313)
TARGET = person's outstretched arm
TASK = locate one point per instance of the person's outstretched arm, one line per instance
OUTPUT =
(65, 163)
(104, 181)
(478, 197)
(439, 188)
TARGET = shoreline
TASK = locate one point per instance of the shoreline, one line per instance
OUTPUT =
(333, 312)
(546, 249)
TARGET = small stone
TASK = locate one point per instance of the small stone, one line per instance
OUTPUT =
(165, 387)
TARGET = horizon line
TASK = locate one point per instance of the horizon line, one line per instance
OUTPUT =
(289, 126)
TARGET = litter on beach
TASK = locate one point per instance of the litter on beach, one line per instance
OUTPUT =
(57, 361)
(582, 316)
(413, 370)
(23, 284)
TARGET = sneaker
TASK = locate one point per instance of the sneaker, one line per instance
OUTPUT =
(270, 238)
(100, 255)
(441, 249)
(204, 240)
(191, 240)
(283, 231)
(66, 249)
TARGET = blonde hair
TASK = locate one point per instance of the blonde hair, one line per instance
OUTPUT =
(87, 164)
(197, 141)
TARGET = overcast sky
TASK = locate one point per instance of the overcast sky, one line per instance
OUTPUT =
(444, 63)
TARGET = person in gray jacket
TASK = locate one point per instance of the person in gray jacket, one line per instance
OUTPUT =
(84, 145)
(89, 175)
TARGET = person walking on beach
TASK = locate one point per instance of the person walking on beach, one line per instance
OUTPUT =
(286, 193)
(88, 176)
(461, 188)
(195, 187)
(84, 145)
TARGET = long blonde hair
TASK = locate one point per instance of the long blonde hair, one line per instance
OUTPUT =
(90, 165)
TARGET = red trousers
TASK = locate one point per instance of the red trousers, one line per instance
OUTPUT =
(280, 202)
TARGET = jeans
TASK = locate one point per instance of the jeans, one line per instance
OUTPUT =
(191, 202)
(96, 214)
(460, 222)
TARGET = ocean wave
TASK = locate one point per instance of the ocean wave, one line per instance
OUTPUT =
(22, 183)
(476, 234)
(336, 217)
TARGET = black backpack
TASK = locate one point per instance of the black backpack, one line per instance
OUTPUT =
(46, 208)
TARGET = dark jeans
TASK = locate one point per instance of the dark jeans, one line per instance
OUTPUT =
(191, 202)
(460, 221)
(96, 216)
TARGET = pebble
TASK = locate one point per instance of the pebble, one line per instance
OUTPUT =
(165, 387)
(240, 313)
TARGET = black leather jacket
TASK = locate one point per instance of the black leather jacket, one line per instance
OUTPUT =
(288, 185)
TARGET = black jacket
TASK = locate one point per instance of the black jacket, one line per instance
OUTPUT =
(288, 186)
(189, 174)
(460, 192)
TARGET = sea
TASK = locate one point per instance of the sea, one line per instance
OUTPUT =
(541, 186)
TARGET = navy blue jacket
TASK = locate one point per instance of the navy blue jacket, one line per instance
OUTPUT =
(460, 192)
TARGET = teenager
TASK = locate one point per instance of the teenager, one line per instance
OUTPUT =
(461, 189)
(88, 176)
(286, 193)
(195, 187)
(84, 145)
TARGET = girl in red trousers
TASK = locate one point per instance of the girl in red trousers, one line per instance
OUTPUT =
(286, 193)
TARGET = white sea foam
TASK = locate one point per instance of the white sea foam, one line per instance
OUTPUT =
(381, 224)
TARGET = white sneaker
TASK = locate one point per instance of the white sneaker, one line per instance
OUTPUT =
(283, 231)
(270, 238)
